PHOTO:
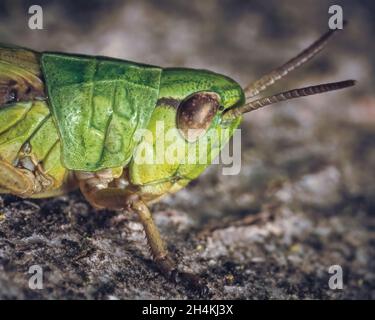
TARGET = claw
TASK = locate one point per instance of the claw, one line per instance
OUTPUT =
(190, 281)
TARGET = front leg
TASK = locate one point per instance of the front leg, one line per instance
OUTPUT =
(95, 188)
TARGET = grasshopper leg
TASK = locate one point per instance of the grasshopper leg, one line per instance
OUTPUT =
(116, 198)
(16, 181)
(160, 253)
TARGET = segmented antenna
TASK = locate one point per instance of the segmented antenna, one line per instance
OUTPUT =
(287, 95)
(264, 82)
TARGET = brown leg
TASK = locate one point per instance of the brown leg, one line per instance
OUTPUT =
(114, 198)
(160, 253)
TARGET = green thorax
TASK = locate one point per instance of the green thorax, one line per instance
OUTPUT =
(97, 104)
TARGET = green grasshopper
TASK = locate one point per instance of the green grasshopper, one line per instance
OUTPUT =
(69, 121)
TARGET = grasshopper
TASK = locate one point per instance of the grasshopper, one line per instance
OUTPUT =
(69, 121)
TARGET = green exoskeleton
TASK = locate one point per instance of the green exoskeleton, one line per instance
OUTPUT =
(70, 121)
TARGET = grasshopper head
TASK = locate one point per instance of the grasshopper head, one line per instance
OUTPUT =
(188, 117)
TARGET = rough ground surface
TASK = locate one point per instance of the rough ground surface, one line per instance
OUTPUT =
(305, 197)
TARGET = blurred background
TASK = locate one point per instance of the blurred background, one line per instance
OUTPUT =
(305, 197)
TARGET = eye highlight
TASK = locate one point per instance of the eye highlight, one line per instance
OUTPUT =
(194, 115)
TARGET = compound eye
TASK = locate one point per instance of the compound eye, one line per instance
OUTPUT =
(194, 114)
